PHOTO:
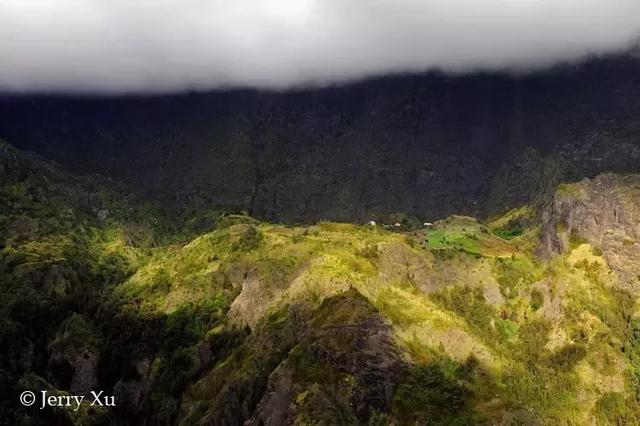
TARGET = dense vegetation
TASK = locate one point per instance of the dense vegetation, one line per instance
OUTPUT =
(213, 317)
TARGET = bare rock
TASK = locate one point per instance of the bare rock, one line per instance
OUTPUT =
(605, 212)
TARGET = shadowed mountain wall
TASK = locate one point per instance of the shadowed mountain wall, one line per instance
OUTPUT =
(428, 145)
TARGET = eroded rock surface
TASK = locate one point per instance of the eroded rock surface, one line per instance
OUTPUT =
(604, 211)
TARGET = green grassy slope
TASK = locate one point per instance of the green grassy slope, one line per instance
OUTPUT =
(219, 318)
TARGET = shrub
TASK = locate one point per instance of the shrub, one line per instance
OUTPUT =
(537, 299)
(514, 273)
(613, 409)
(434, 394)
(244, 237)
(470, 304)
(370, 251)
(567, 357)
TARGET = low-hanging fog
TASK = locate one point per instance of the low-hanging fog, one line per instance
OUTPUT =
(149, 46)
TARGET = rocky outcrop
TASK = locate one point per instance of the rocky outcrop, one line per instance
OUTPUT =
(346, 367)
(604, 211)
(338, 363)
(74, 351)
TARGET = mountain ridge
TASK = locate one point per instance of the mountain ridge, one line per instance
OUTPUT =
(426, 145)
(250, 322)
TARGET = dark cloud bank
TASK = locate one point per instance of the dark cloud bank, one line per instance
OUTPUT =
(115, 46)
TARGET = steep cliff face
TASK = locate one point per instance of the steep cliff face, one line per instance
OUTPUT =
(427, 145)
(604, 212)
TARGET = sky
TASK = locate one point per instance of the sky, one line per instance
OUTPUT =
(157, 46)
